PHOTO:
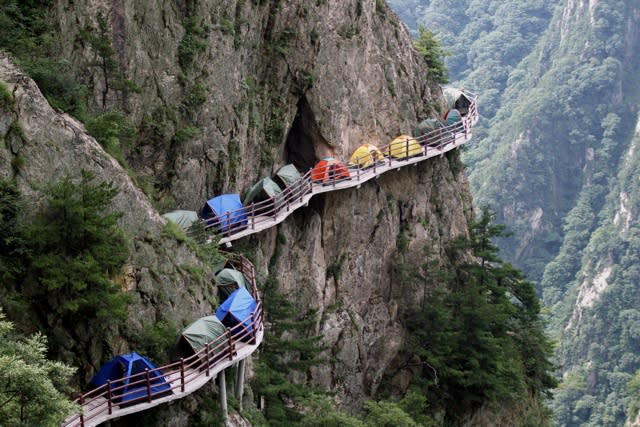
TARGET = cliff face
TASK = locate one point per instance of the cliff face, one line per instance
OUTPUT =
(259, 84)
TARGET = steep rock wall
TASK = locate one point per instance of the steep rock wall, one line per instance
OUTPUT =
(270, 83)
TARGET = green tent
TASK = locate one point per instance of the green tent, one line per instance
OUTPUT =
(229, 279)
(205, 330)
(262, 190)
(183, 218)
(456, 99)
(287, 175)
(427, 126)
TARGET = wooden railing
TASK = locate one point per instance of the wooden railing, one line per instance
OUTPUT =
(189, 374)
(141, 391)
(256, 217)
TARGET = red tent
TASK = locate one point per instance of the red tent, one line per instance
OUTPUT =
(328, 170)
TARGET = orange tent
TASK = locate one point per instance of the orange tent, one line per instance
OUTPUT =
(328, 170)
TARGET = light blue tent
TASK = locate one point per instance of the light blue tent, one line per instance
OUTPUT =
(225, 212)
(237, 309)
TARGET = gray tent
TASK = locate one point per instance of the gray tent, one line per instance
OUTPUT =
(204, 330)
(183, 218)
(229, 280)
(287, 175)
(457, 99)
(262, 190)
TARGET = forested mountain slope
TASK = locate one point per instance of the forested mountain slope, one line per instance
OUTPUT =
(559, 164)
(112, 113)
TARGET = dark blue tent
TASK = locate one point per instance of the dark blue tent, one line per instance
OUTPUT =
(236, 309)
(127, 365)
(226, 212)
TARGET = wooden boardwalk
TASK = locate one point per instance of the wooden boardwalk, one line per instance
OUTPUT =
(254, 218)
(188, 375)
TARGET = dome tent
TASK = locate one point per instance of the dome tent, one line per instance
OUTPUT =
(452, 117)
(181, 217)
(262, 190)
(403, 146)
(261, 197)
(287, 175)
(205, 330)
(237, 310)
(456, 99)
(329, 170)
(225, 213)
(365, 155)
(126, 369)
(230, 279)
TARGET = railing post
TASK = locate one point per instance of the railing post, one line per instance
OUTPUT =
(207, 354)
(109, 404)
(81, 401)
(253, 217)
(148, 378)
(228, 223)
(230, 342)
(182, 374)
(406, 148)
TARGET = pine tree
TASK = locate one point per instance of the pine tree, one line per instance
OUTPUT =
(77, 249)
(31, 387)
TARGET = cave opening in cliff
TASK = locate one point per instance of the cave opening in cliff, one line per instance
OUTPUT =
(304, 140)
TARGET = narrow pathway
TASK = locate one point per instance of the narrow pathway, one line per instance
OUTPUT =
(188, 375)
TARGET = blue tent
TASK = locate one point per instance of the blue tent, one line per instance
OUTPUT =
(126, 365)
(226, 211)
(236, 309)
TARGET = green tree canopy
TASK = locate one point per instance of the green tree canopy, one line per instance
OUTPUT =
(31, 387)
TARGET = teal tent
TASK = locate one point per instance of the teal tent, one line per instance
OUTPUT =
(228, 280)
(183, 218)
(205, 330)
(287, 175)
(456, 99)
(452, 117)
(261, 191)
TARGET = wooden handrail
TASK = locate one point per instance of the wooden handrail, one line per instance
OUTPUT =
(98, 404)
(256, 217)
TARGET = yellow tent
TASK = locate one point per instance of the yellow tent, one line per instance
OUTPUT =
(404, 146)
(365, 156)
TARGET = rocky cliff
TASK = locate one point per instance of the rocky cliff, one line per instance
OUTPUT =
(254, 85)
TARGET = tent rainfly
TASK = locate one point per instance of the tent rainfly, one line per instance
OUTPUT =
(183, 218)
(404, 146)
(238, 309)
(225, 212)
(365, 155)
(126, 369)
(229, 279)
(205, 330)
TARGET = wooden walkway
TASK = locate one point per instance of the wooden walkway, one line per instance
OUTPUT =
(254, 218)
(188, 375)
(183, 377)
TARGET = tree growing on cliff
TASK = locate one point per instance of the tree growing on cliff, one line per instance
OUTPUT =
(30, 385)
(77, 248)
(480, 341)
(427, 45)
